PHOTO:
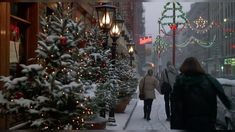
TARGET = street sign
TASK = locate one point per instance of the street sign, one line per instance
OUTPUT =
(145, 40)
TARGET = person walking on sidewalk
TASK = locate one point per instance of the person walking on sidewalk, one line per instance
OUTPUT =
(146, 86)
(168, 75)
(194, 98)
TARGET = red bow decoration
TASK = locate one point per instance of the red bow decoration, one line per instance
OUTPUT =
(173, 26)
(19, 95)
(15, 30)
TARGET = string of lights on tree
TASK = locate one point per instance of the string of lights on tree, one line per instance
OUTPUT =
(70, 33)
(50, 94)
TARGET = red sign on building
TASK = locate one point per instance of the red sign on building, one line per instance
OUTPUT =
(145, 40)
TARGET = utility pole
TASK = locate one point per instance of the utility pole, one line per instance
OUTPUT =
(175, 8)
(173, 48)
(159, 53)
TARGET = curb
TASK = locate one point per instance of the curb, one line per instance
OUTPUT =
(136, 101)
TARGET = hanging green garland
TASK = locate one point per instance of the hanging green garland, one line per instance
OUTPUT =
(181, 16)
(161, 45)
(193, 39)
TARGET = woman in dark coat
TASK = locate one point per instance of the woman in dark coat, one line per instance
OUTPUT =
(193, 99)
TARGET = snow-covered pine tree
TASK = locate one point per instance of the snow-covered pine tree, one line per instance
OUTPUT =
(92, 65)
(95, 69)
(127, 78)
(50, 95)
(110, 81)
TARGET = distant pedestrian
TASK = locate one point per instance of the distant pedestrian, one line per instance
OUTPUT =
(168, 75)
(146, 86)
(193, 99)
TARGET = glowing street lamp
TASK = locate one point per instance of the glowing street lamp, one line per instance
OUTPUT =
(105, 14)
(117, 26)
(115, 33)
(131, 52)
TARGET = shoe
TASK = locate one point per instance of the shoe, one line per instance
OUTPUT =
(148, 119)
(167, 119)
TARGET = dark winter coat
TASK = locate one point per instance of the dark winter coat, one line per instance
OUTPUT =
(194, 102)
(171, 73)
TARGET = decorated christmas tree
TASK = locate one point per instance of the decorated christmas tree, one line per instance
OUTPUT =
(110, 81)
(50, 94)
(128, 80)
(96, 70)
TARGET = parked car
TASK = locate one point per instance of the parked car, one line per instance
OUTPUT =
(226, 117)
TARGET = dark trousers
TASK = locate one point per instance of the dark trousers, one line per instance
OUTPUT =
(147, 107)
(167, 104)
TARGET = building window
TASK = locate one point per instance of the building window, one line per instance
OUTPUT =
(18, 32)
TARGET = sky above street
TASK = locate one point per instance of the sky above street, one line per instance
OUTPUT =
(152, 12)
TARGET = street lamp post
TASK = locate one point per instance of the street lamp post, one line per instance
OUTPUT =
(115, 34)
(131, 52)
(105, 14)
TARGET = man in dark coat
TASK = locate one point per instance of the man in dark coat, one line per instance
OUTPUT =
(168, 75)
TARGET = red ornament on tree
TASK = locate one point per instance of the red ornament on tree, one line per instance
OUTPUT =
(63, 40)
(19, 95)
(82, 44)
(103, 64)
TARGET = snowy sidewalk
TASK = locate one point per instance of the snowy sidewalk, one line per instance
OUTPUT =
(122, 119)
(158, 117)
(133, 119)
